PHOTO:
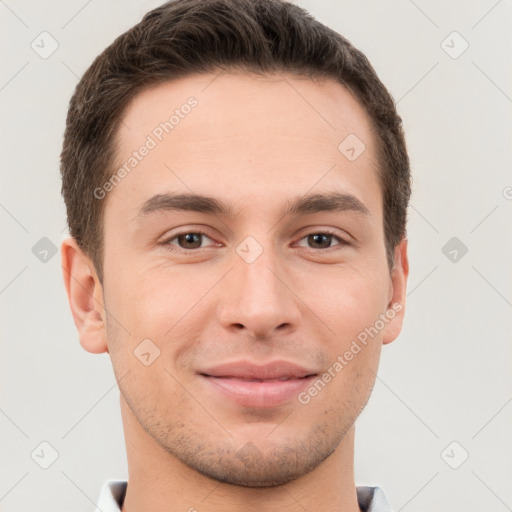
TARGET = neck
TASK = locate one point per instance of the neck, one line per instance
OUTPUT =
(159, 482)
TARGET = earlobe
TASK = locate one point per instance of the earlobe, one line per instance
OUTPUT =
(85, 296)
(396, 306)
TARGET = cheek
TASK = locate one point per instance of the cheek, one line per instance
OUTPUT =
(161, 313)
(354, 312)
(149, 301)
(348, 302)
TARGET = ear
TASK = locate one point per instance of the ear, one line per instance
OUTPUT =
(398, 285)
(85, 295)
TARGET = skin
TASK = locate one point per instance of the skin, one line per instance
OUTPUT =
(253, 142)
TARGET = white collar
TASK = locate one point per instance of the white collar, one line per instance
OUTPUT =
(370, 499)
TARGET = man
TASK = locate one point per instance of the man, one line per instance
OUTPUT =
(236, 181)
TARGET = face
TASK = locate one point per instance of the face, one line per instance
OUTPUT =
(250, 325)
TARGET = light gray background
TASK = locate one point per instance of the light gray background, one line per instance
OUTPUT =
(447, 377)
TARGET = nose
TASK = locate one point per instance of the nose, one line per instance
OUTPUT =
(257, 297)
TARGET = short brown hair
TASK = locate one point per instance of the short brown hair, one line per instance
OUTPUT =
(184, 37)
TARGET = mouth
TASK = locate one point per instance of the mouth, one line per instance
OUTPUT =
(256, 386)
(280, 379)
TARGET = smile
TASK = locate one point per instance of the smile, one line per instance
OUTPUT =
(264, 386)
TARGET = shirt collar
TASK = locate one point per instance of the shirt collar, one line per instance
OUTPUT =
(370, 499)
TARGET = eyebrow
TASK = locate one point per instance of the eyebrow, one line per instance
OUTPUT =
(301, 205)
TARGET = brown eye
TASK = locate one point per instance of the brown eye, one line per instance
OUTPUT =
(323, 240)
(187, 241)
(190, 240)
(320, 240)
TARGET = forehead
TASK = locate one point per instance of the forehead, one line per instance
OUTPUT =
(241, 103)
(242, 134)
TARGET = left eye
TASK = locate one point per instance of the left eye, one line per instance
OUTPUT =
(324, 239)
(193, 240)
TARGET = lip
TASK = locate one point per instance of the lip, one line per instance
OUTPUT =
(246, 370)
(252, 385)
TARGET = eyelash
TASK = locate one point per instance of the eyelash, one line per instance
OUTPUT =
(167, 243)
